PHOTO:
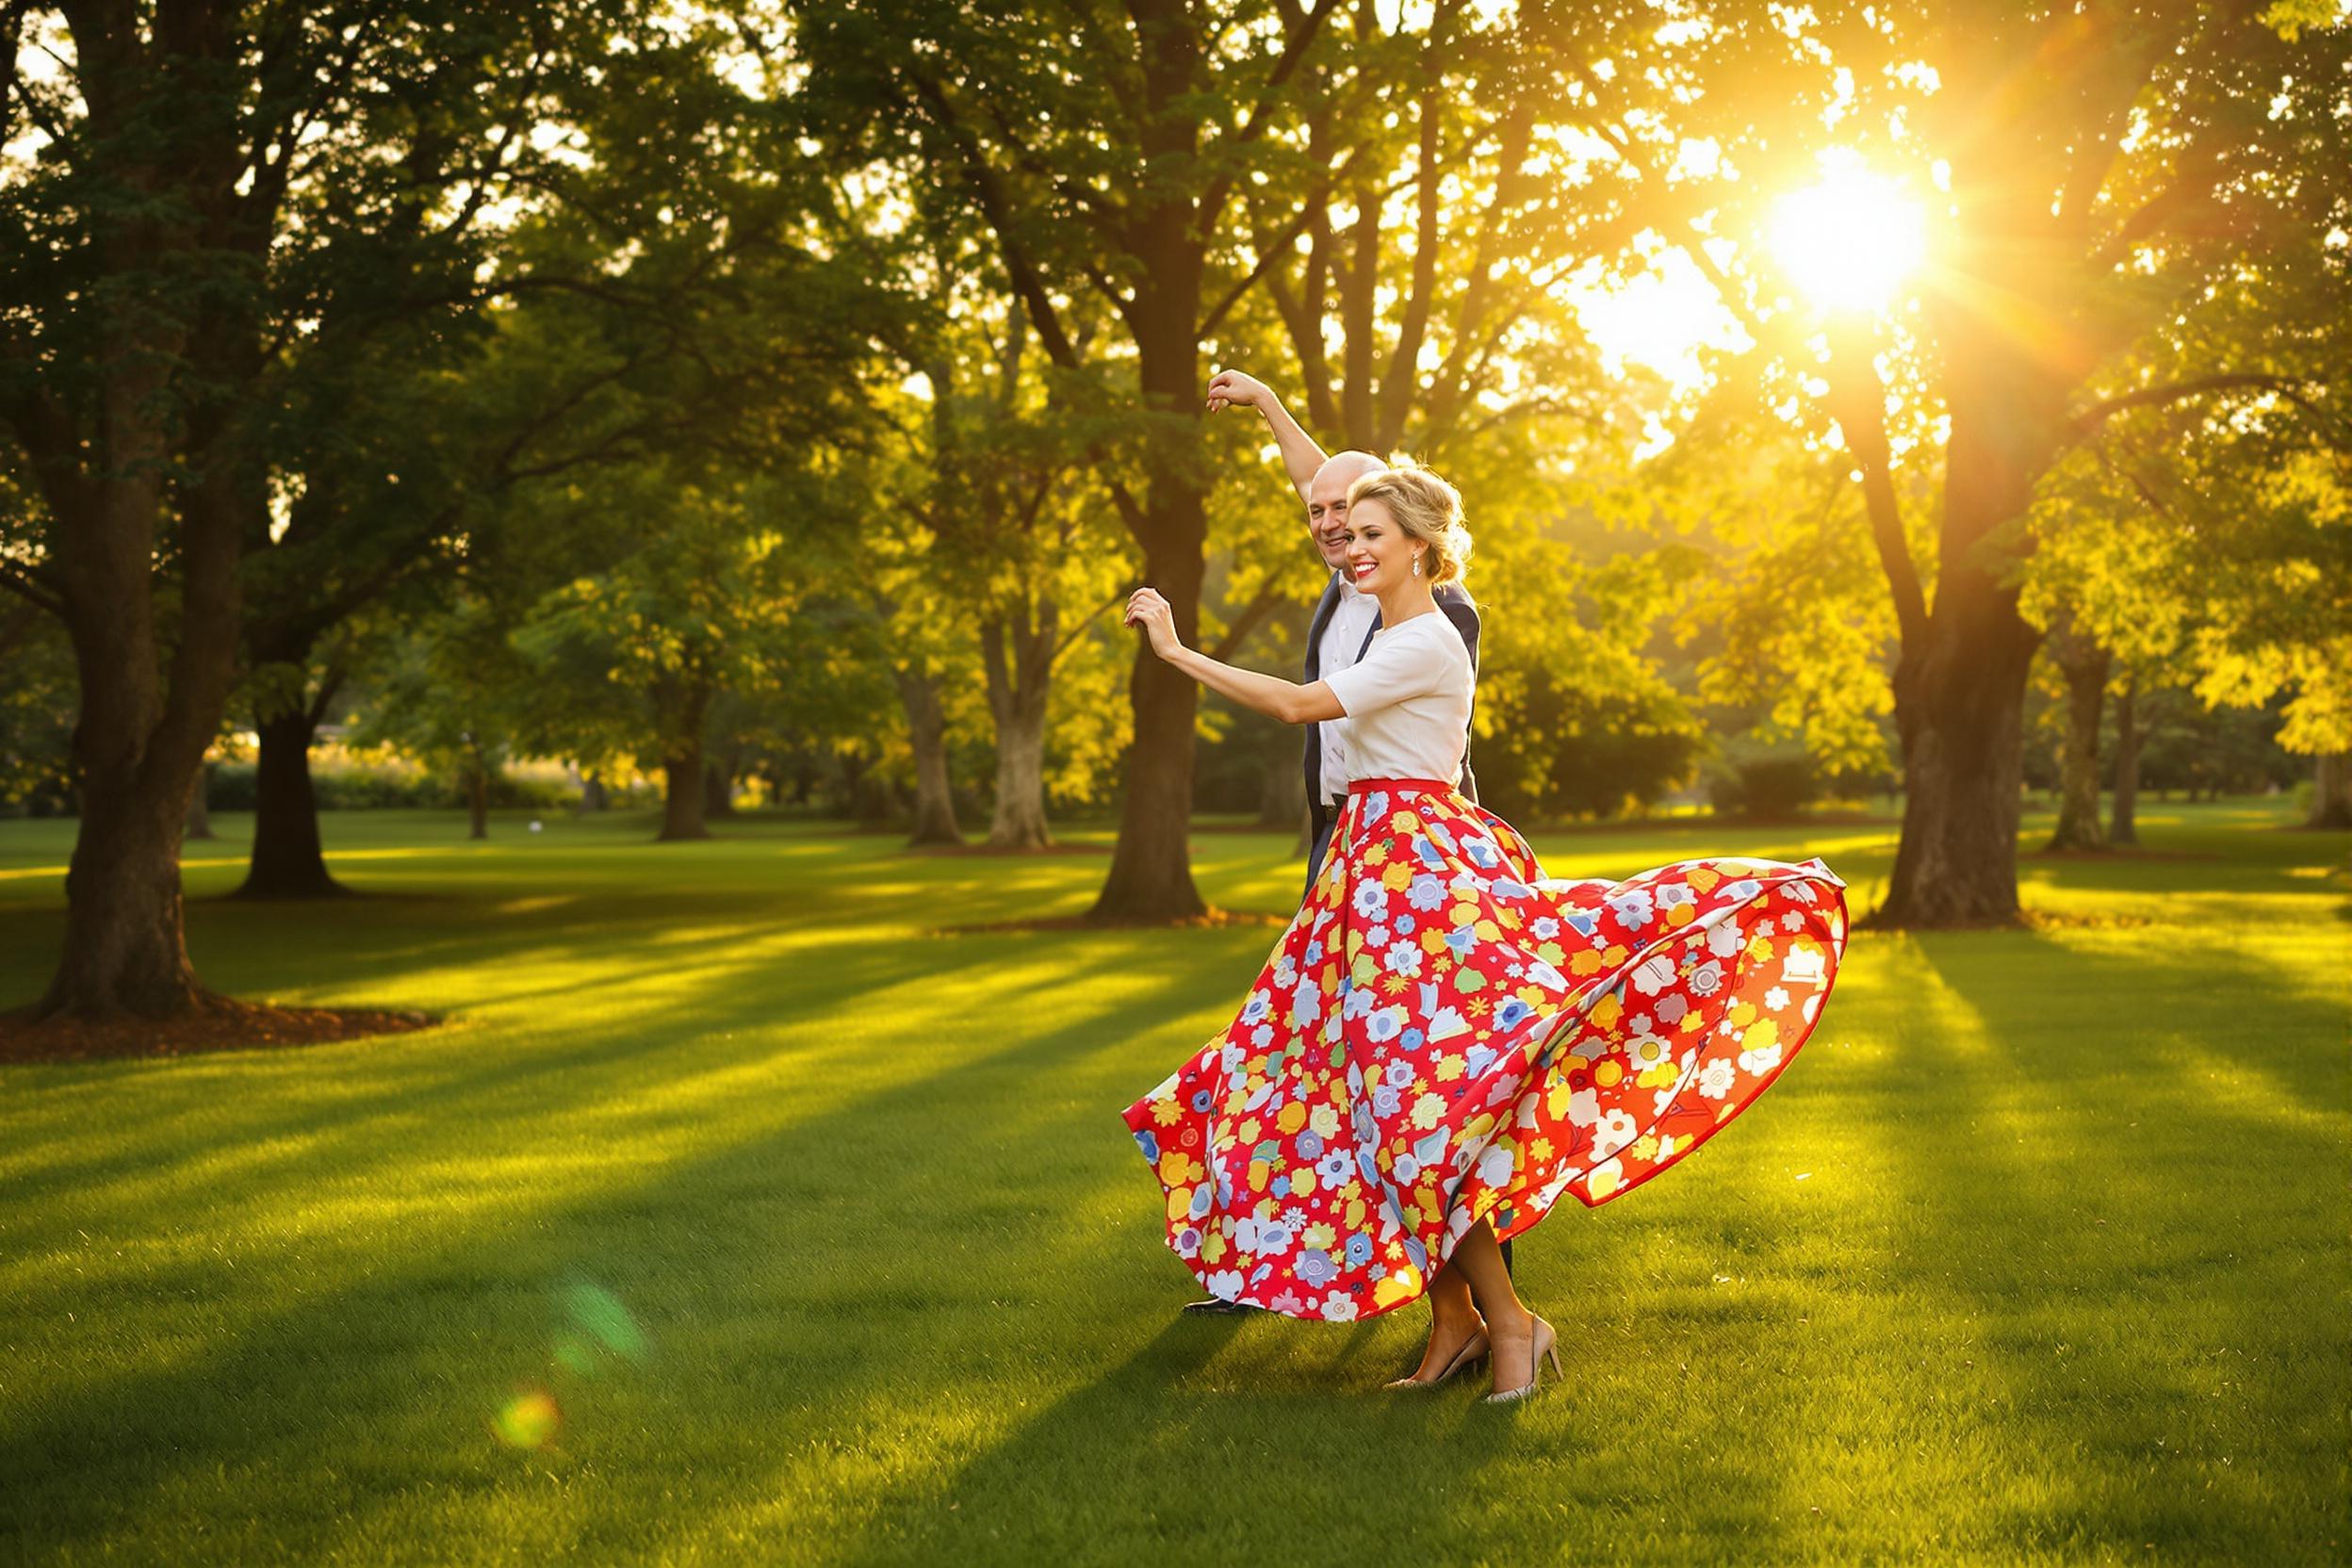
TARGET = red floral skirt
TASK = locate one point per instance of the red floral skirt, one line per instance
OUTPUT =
(1444, 1035)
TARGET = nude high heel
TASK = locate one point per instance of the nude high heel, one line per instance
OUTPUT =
(1473, 1350)
(1546, 1345)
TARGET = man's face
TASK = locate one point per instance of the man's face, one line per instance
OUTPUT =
(1326, 508)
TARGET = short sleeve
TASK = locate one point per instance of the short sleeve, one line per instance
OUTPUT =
(1395, 669)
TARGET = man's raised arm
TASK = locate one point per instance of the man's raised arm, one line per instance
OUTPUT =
(1301, 455)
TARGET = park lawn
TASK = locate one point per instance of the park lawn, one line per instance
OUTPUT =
(814, 1217)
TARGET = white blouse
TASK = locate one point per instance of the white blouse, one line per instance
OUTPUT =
(1407, 702)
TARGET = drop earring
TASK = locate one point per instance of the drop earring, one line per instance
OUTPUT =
(1417, 565)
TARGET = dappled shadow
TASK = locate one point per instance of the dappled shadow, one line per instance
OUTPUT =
(2101, 1421)
(817, 1323)
(267, 1133)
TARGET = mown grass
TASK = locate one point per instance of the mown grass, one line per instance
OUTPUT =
(2042, 1253)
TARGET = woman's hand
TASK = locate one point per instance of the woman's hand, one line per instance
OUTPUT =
(1148, 610)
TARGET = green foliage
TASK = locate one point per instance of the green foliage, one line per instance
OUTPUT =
(1782, 607)
(696, 604)
(450, 693)
(38, 704)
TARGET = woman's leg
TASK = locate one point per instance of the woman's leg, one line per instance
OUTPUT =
(1453, 1324)
(1511, 1327)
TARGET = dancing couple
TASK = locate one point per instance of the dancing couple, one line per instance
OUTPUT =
(1443, 1039)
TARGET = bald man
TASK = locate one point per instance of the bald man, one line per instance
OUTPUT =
(1344, 620)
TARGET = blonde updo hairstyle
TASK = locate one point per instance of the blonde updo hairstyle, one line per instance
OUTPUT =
(1429, 512)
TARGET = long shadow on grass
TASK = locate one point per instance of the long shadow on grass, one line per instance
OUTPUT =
(540, 1085)
(302, 1386)
(845, 966)
(610, 937)
(2089, 1322)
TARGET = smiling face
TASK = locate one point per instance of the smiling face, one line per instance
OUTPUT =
(1380, 553)
(1327, 504)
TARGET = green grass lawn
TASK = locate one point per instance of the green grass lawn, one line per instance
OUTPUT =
(817, 1222)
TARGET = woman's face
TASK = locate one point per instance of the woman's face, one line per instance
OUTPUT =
(1380, 554)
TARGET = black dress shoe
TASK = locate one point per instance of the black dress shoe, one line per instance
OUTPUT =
(1222, 1307)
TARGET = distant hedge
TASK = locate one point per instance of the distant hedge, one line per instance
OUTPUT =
(358, 787)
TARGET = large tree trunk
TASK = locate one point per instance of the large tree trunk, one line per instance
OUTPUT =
(198, 822)
(1956, 861)
(142, 737)
(123, 948)
(1017, 658)
(1150, 877)
(1959, 684)
(682, 797)
(927, 736)
(720, 766)
(684, 704)
(2332, 790)
(476, 796)
(591, 793)
(718, 791)
(2123, 824)
(289, 860)
(1018, 821)
(2086, 666)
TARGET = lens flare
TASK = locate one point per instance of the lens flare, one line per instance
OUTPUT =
(529, 1420)
(1849, 241)
(597, 1318)
(594, 1334)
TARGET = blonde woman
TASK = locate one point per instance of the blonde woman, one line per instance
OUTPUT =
(1445, 1040)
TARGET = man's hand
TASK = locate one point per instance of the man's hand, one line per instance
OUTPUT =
(1242, 391)
(1148, 610)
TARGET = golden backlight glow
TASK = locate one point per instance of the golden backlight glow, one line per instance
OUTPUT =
(1850, 240)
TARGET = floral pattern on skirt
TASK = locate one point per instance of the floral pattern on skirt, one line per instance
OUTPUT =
(1443, 1035)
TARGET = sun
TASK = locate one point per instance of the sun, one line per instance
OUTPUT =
(1849, 241)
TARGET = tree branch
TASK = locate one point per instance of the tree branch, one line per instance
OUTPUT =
(17, 623)
(1397, 384)
(1300, 34)
(29, 586)
(1275, 248)
(997, 208)
(1100, 208)
(2192, 186)
(1858, 401)
(1065, 644)
(1238, 631)
(1130, 512)
(2090, 419)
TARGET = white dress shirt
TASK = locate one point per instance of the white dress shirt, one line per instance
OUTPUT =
(1343, 634)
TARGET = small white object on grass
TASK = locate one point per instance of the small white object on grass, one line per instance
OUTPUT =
(535, 824)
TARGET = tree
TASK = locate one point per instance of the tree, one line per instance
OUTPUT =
(187, 162)
(450, 690)
(2283, 621)
(1104, 149)
(663, 216)
(2094, 173)
(1003, 537)
(2206, 542)
(696, 609)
